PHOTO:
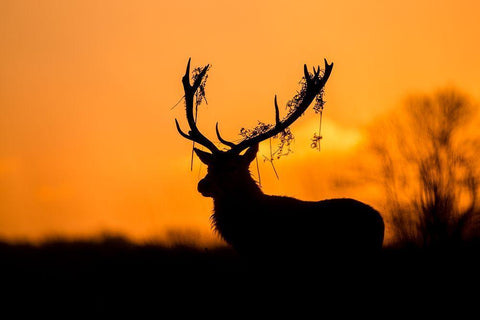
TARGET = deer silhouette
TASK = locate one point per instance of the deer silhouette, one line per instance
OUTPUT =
(257, 224)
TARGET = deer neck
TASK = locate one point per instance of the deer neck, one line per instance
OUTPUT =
(240, 195)
(234, 208)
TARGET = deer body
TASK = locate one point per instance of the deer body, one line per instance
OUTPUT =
(257, 224)
(283, 225)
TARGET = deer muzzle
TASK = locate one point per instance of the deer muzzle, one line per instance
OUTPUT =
(205, 188)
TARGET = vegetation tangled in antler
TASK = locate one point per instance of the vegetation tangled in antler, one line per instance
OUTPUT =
(200, 93)
(286, 137)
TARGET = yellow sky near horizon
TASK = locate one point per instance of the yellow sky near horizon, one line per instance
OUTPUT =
(87, 137)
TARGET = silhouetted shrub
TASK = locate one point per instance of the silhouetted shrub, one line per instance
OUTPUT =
(428, 161)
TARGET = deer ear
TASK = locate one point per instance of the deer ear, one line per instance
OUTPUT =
(205, 157)
(251, 153)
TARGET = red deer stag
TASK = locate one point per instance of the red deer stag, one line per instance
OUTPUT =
(258, 224)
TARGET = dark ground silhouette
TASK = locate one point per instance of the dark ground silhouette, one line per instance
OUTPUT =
(115, 274)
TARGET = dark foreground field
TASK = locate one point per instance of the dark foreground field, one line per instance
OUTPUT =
(113, 273)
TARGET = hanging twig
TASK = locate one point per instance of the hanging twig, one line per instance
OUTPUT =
(258, 172)
(320, 128)
(316, 138)
(199, 170)
(177, 102)
(276, 174)
(193, 143)
(199, 97)
(271, 160)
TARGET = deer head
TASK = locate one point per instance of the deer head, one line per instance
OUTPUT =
(228, 170)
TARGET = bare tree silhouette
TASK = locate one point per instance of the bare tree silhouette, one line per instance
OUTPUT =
(262, 225)
(429, 165)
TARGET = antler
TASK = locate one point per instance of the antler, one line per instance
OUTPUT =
(194, 134)
(313, 86)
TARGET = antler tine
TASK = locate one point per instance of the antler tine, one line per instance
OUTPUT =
(306, 73)
(187, 72)
(233, 145)
(225, 142)
(194, 134)
(183, 134)
(314, 85)
(277, 113)
(326, 74)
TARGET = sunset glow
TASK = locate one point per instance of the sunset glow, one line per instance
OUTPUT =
(87, 136)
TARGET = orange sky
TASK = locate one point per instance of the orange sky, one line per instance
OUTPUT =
(87, 137)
